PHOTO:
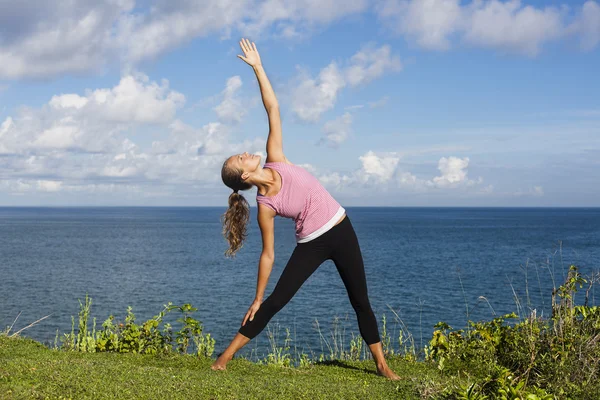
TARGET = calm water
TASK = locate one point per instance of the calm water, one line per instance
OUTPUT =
(427, 264)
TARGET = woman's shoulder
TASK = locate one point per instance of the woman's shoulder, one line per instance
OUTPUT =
(279, 160)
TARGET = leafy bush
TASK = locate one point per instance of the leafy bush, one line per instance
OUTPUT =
(147, 338)
(531, 358)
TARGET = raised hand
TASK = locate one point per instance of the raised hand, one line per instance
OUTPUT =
(251, 56)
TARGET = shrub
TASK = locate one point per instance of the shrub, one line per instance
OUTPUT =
(559, 356)
(145, 338)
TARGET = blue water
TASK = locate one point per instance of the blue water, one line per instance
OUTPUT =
(425, 264)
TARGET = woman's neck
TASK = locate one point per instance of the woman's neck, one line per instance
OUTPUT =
(265, 181)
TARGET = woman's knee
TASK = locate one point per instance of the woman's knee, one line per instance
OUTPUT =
(274, 304)
(361, 305)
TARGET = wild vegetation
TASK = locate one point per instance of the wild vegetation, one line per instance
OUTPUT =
(514, 356)
(154, 336)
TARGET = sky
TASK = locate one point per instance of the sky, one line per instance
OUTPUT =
(387, 102)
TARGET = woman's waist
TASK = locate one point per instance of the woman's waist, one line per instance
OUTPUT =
(309, 229)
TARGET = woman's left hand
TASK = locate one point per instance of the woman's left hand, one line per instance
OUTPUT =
(251, 311)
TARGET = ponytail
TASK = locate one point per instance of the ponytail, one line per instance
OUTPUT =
(235, 222)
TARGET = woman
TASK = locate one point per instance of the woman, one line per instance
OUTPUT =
(323, 231)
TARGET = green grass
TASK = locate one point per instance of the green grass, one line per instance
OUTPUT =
(514, 357)
(31, 370)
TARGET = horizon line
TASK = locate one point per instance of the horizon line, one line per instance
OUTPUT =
(224, 206)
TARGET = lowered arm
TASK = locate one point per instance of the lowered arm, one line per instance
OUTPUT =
(266, 222)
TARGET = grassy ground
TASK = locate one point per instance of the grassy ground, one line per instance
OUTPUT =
(30, 370)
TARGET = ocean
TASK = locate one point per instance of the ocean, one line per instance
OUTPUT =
(423, 265)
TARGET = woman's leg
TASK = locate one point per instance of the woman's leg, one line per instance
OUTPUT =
(349, 263)
(305, 259)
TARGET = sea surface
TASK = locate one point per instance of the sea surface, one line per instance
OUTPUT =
(423, 265)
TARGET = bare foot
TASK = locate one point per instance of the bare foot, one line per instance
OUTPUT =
(388, 373)
(221, 362)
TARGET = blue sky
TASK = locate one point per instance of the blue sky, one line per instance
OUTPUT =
(388, 103)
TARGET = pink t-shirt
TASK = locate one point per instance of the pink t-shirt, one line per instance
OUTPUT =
(304, 199)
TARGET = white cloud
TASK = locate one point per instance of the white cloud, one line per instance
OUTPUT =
(588, 25)
(119, 171)
(312, 97)
(383, 172)
(408, 180)
(91, 122)
(454, 174)
(20, 187)
(336, 180)
(231, 109)
(53, 37)
(505, 25)
(49, 186)
(169, 24)
(430, 22)
(454, 171)
(380, 168)
(83, 143)
(335, 132)
(14, 186)
(4, 129)
(376, 171)
(354, 107)
(296, 18)
(68, 101)
(134, 99)
(49, 38)
(370, 63)
(309, 167)
(63, 135)
(379, 103)
(512, 26)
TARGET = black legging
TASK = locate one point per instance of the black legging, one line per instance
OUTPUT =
(338, 244)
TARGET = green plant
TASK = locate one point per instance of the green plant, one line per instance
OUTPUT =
(86, 341)
(304, 360)
(146, 338)
(388, 350)
(528, 357)
(278, 355)
(470, 392)
(356, 347)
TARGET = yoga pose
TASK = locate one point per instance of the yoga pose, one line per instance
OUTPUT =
(323, 231)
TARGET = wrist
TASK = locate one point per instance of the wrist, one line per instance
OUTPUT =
(257, 67)
(258, 299)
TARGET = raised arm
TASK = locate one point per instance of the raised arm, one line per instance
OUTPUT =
(274, 141)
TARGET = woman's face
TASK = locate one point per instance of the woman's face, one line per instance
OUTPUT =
(245, 161)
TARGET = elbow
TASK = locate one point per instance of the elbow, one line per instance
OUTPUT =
(273, 108)
(268, 256)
